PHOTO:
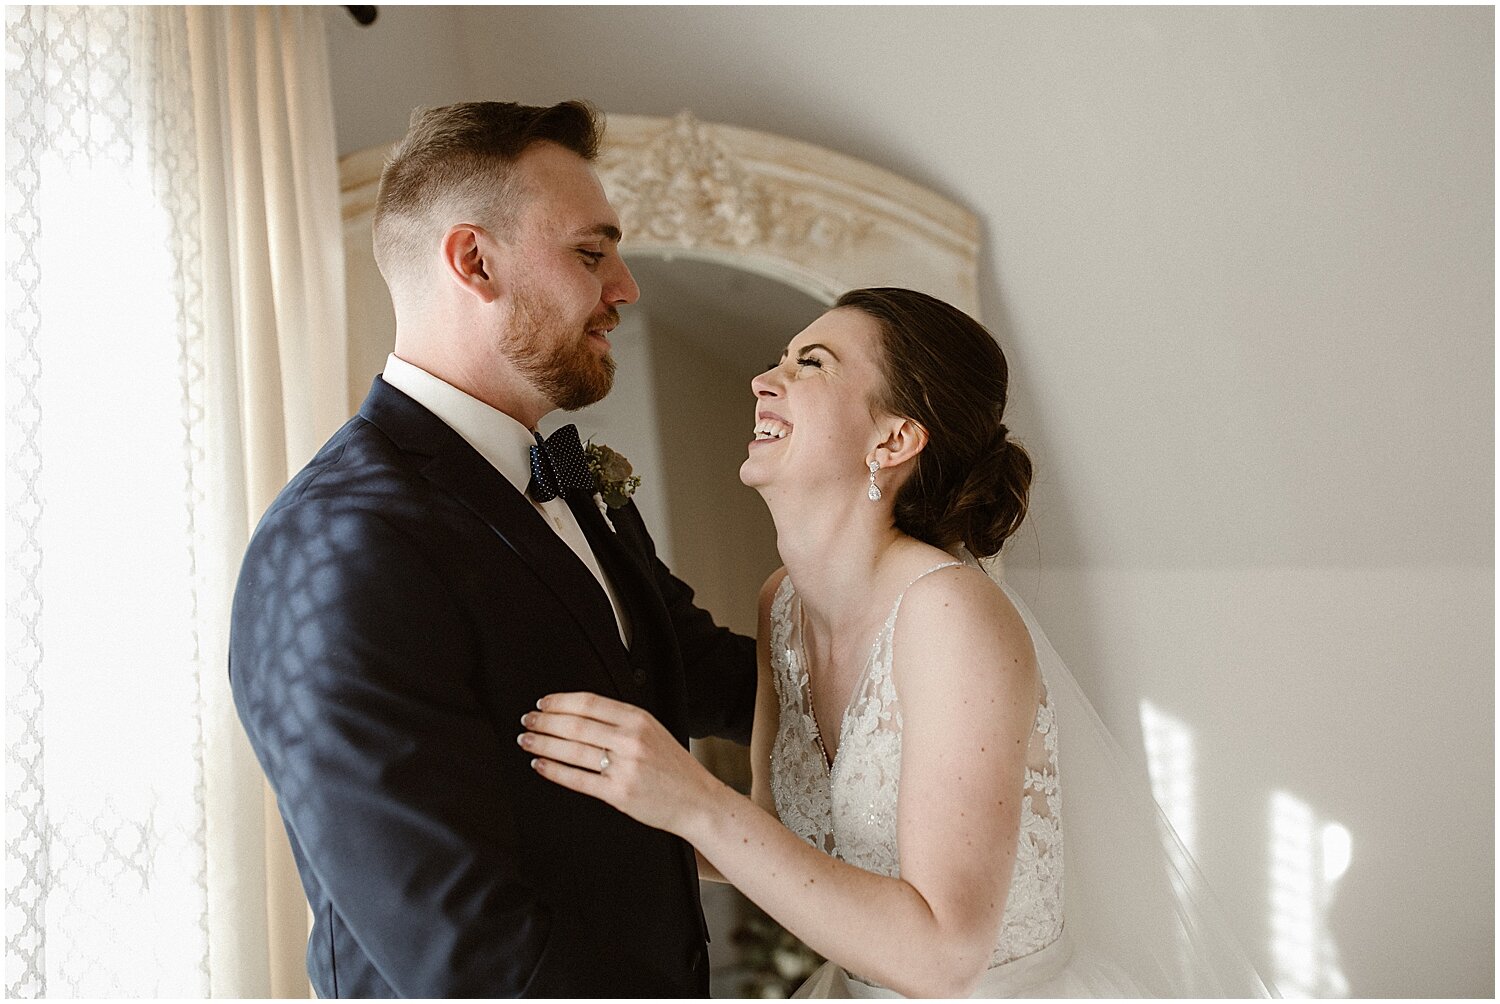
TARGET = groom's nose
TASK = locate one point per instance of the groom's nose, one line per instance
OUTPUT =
(621, 287)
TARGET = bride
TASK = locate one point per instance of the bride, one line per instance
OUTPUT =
(906, 815)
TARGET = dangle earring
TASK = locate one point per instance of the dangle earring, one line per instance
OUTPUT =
(874, 493)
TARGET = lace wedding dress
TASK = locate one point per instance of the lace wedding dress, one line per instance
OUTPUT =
(848, 809)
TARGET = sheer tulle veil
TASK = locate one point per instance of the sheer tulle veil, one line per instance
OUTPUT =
(1133, 894)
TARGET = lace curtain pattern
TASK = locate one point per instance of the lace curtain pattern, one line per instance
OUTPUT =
(174, 345)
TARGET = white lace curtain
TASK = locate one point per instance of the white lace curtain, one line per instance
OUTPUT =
(175, 349)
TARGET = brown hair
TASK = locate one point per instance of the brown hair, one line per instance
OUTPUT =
(944, 371)
(457, 159)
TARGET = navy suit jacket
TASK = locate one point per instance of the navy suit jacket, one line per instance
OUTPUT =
(399, 608)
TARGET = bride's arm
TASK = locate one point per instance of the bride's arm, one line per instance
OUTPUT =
(967, 683)
(767, 704)
(767, 718)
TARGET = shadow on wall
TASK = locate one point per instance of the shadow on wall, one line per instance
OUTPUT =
(1307, 857)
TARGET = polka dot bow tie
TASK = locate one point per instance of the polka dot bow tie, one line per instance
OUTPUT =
(558, 465)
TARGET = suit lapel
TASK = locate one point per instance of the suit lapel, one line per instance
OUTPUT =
(632, 584)
(457, 468)
(654, 659)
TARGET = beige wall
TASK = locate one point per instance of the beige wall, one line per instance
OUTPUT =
(1241, 261)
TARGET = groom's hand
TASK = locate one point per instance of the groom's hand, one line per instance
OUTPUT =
(620, 754)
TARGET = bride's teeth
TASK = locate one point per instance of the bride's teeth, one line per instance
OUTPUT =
(771, 430)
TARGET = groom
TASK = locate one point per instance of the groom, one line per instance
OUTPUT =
(437, 567)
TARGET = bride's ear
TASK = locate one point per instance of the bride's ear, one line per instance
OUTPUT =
(902, 444)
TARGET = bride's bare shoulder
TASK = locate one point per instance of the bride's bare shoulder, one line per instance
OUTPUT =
(768, 597)
(769, 587)
(960, 611)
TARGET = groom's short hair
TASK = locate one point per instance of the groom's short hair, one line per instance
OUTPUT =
(454, 163)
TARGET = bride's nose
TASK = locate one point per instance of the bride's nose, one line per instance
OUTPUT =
(767, 384)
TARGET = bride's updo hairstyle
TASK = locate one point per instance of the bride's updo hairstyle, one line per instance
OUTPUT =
(944, 371)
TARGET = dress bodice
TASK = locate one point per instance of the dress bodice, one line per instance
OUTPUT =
(849, 810)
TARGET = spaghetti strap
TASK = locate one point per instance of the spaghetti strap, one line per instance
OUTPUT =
(934, 568)
(890, 622)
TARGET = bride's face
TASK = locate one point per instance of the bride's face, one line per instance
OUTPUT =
(815, 421)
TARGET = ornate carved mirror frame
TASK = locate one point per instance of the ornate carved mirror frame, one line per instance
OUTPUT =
(817, 220)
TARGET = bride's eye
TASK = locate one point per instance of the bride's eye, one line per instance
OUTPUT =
(810, 361)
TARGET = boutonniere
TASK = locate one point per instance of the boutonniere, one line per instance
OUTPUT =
(615, 479)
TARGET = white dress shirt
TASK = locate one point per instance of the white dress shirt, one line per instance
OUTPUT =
(506, 444)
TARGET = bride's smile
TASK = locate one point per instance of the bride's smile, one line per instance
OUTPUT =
(770, 428)
(823, 387)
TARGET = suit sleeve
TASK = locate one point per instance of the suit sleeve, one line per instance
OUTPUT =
(351, 670)
(719, 665)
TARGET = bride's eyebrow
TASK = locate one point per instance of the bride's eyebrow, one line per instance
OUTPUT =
(819, 345)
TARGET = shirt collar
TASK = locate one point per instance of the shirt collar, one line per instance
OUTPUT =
(500, 439)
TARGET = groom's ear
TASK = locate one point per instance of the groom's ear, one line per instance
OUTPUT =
(470, 260)
(902, 443)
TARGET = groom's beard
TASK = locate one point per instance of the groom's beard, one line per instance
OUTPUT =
(559, 363)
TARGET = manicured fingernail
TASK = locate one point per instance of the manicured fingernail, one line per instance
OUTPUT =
(521, 739)
(539, 701)
(526, 719)
(536, 765)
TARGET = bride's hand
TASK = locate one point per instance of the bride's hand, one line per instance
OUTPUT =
(620, 754)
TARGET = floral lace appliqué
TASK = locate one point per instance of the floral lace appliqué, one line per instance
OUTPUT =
(850, 810)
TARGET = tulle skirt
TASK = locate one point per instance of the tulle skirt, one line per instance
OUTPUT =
(1059, 970)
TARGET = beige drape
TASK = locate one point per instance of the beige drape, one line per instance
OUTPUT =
(175, 351)
(273, 313)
